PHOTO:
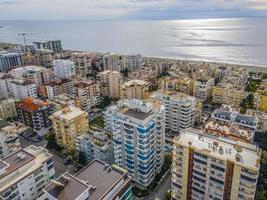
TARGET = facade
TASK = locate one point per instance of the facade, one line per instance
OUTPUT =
(9, 139)
(25, 173)
(203, 88)
(114, 62)
(208, 167)
(225, 93)
(35, 74)
(59, 87)
(135, 89)
(5, 86)
(110, 83)
(89, 94)
(8, 109)
(53, 45)
(35, 114)
(45, 57)
(226, 122)
(180, 110)
(96, 144)
(83, 63)
(139, 137)
(134, 62)
(22, 89)
(260, 97)
(97, 180)
(69, 123)
(64, 69)
(9, 60)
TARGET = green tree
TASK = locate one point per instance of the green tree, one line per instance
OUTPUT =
(51, 142)
(168, 196)
(82, 159)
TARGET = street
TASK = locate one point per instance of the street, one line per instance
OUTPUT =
(165, 185)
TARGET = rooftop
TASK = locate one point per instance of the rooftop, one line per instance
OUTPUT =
(98, 178)
(31, 104)
(69, 113)
(241, 153)
(135, 114)
(20, 164)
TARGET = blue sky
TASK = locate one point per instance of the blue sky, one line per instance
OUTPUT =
(130, 9)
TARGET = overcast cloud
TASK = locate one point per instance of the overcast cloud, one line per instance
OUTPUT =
(129, 9)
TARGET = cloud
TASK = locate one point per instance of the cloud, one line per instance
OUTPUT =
(121, 9)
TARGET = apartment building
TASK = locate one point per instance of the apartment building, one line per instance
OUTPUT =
(69, 123)
(9, 139)
(134, 62)
(35, 114)
(202, 89)
(64, 100)
(53, 45)
(35, 74)
(114, 62)
(8, 109)
(89, 94)
(226, 93)
(96, 144)
(260, 97)
(45, 57)
(5, 86)
(135, 89)
(25, 173)
(22, 89)
(83, 63)
(209, 167)
(138, 130)
(226, 122)
(110, 83)
(180, 109)
(64, 69)
(9, 60)
(97, 180)
(59, 87)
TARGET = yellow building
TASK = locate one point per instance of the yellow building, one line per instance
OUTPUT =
(135, 89)
(228, 94)
(67, 124)
(208, 167)
(8, 109)
(260, 97)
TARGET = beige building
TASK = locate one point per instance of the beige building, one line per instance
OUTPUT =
(260, 97)
(67, 124)
(110, 83)
(8, 109)
(226, 93)
(208, 167)
(135, 89)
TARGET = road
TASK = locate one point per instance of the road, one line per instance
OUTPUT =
(165, 185)
(59, 166)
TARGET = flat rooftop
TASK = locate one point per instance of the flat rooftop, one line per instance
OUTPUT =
(3, 123)
(239, 152)
(135, 114)
(96, 177)
(70, 112)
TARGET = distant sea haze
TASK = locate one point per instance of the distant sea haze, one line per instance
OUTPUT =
(235, 40)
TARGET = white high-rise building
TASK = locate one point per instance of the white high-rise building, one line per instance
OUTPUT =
(64, 69)
(36, 74)
(25, 173)
(139, 137)
(180, 109)
(5, 86)
(22, 89)
(210, 167)
(9, 60)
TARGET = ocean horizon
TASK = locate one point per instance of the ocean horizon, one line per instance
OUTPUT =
(228, 40)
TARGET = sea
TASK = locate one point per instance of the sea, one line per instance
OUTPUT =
(228, 40)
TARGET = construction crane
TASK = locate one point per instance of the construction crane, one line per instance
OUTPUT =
(24, 38)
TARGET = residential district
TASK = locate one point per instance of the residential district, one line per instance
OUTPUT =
(88, 126)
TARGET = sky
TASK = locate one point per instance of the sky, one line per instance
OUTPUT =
(129, 9)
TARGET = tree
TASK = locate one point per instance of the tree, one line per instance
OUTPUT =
(82, 159)
(168, 196)
(51, 142)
